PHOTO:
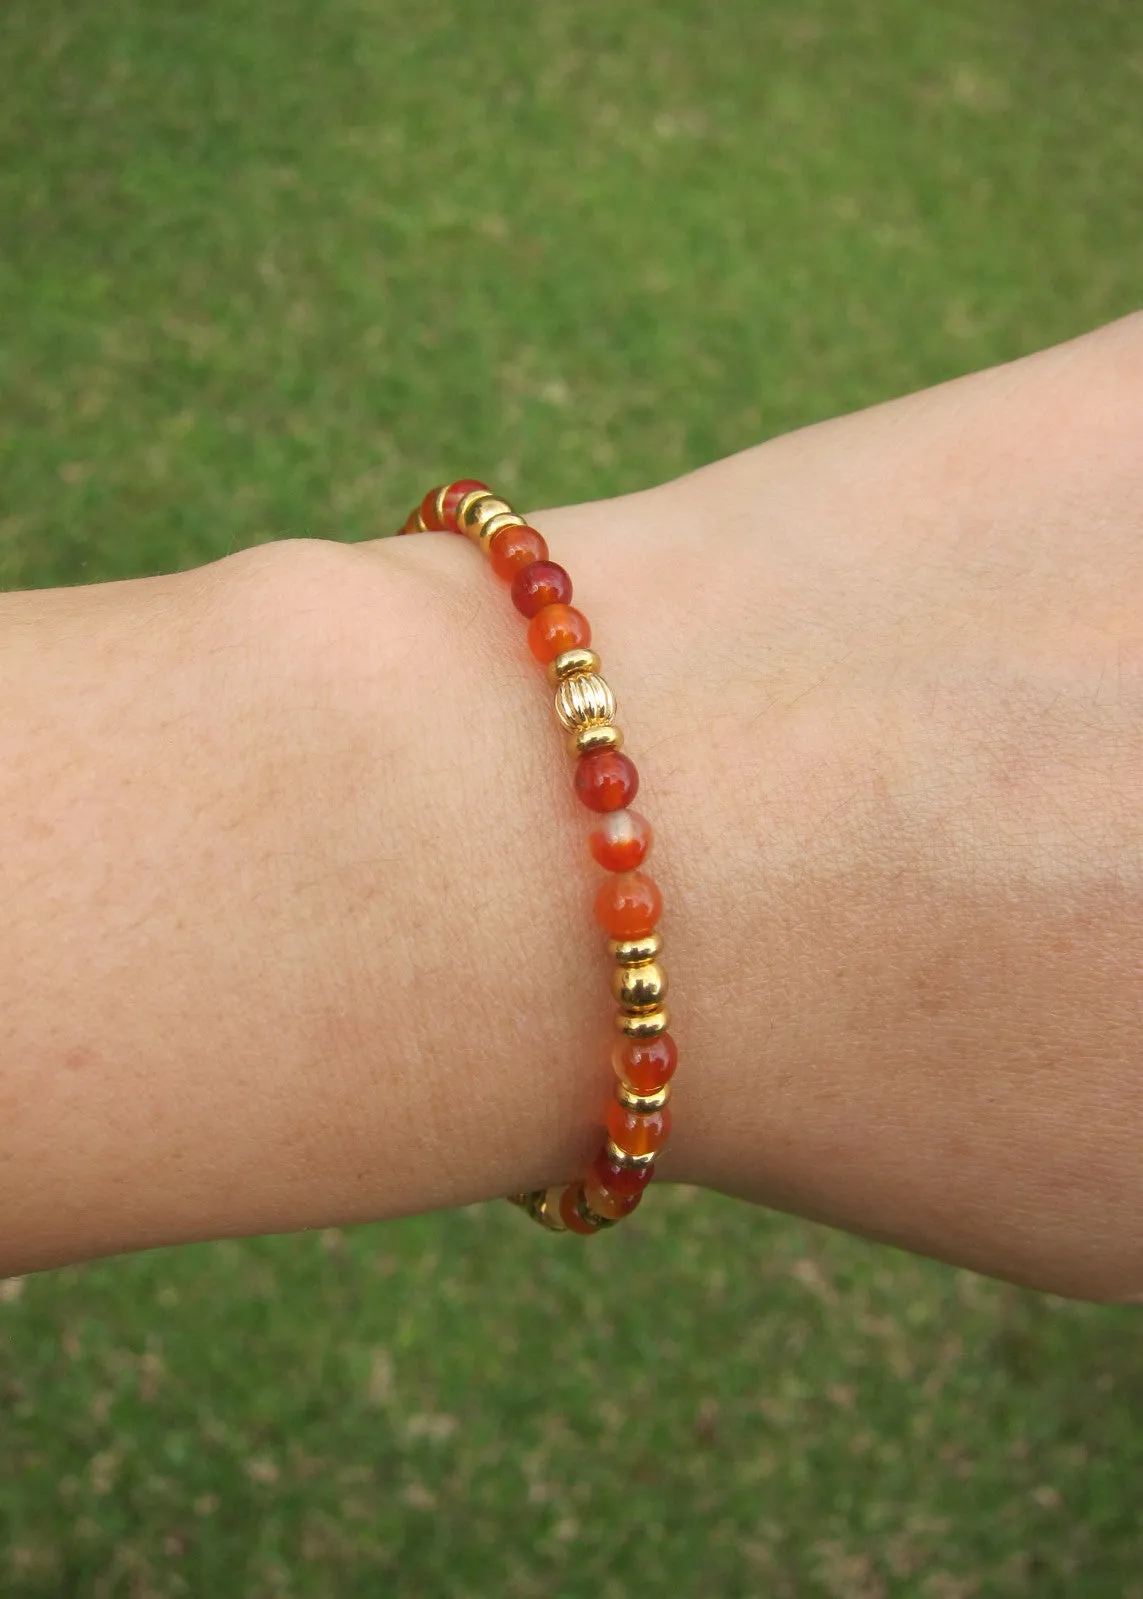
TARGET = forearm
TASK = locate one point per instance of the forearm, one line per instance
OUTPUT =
(306, 937)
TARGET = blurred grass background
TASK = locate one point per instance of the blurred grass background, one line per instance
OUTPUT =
(267, 270)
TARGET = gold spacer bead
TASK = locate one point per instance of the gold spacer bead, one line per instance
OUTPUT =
(438, 503)
(635, 951)
(643, 1103)
(492, 525)
(548, 1209)
(475, 498)
(622, 1158)
(646, 1025)
(571, 662)
(639, 988)
(416, 521)
(584, 699)
(599, 736)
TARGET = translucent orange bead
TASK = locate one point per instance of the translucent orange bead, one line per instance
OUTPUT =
(620, 840)
(568, 1213)
(645, 1063)
(555, 629)
(429, 512)
(638, 1132)
(617, 1179)
(608, 1202)
(628, 905)
(514, 547)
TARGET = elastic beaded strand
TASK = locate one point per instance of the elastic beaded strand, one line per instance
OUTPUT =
(628, 904)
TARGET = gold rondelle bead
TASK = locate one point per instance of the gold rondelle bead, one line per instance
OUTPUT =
(419, 520)
(639, 988)
(643, 1103)
(583, 700)
(646, 1025)
(488, 529)
(571, 662)
(622, 1158)
(635, 951)
(599, 736)
(438, 504)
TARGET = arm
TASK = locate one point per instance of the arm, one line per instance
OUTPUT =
(297, 905)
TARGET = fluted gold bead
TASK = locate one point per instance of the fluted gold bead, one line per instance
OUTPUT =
(635, 951)
(599, 736)
(622, 1158)
(487, 530)
(640, 988)
(584, 699)
(648, 1024)
(570, 662)
(644, 1104)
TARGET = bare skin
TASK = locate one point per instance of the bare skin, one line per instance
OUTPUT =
(297, 920)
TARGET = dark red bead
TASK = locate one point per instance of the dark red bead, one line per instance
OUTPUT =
(606, 780)
(542, 583)
(429, 512)
(452, 497)
(621, 1179)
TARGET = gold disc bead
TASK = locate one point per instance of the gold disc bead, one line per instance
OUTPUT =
(488, 529)
(570, 662)
(622, 1158)
(640, 989)
(647, 1024)
(599, 736)
(438, 505)
(548, 1209)
(643, 1104)
(635, 951)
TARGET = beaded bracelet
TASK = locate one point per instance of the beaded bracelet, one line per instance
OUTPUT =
(628, 903)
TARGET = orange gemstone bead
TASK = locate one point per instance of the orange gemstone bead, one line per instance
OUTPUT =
(514, 547)
(645, 1063)
(628, 905)
(454, 494)
(608, 1202)
(638, 1132)
(555, 629)
(429, 511)
(620, 840)
(620, 1179)
(606, 780)
(568, 1213)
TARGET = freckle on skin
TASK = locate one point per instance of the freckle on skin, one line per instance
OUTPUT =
(78, 1057)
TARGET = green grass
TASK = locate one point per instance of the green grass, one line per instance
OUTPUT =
(267, 270)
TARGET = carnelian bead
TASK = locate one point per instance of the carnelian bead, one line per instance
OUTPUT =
(620, 840)
(514, 547)
(607, 1202)
(619, 1179)
(606, 780)
(568, 1213)
(628, 905)
(645, 1063)
(638, 1132)
(538, 584)
(429, 511)
(453, 495)
(555, 629)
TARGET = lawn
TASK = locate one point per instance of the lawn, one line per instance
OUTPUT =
(266, 271)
